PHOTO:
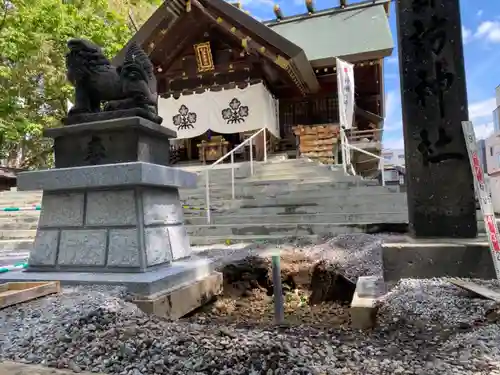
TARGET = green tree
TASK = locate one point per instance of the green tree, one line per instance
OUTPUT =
(33, 86)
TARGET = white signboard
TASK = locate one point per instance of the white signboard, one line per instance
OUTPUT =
(483, 192)
(345, 86)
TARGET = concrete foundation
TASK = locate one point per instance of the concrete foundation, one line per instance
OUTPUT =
(364, 307)
(428, 258)
(175, 303)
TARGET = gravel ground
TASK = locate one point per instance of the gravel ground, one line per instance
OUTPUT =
(427, 327)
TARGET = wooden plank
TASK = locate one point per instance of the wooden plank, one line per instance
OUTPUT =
(14, 293)
(17, 368)
(477, 289)
(306, 150)
(318, 154)
(318, 142)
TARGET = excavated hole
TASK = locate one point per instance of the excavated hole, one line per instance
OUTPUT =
(315, 293)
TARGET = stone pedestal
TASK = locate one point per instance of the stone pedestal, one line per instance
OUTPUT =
(441, 201)
(121, 140)
(119, 224)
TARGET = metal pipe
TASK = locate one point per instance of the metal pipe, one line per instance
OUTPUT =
(207, 195)
(232, 177)
(251, 156)
(382, 167)
(279, 315)
(343, 149)
(265, 145)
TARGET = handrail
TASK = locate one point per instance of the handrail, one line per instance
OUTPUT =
(382, 169)
(346, 156)
(249, 141)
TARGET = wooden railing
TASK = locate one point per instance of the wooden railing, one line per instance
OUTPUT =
(355, 136)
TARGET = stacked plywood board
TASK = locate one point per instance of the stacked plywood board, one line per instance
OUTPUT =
(318, 142)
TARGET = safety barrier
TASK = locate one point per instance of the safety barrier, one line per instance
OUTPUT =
(13, 267)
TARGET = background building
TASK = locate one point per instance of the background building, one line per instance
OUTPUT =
(394, 162)
(492, 152)
(481, 150)
(496, 112)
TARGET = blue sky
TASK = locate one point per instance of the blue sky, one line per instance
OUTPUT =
(481, 34)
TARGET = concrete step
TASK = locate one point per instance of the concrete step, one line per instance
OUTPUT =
(223, 218)
(197, 217)
(285, 188)
(368, 207)
(287, 183)
(250, 239)
(298, 169)
(317, 191)
(281, 229)
(16, 244)
(292, 177)
(15, 202)
(17, 234)
(326, 193)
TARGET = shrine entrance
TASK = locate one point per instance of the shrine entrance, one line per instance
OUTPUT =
(212, 123)
(209, 147)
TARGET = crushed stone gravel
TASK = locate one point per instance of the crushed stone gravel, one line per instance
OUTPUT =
(426, 327)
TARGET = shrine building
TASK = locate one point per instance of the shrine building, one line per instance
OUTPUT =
(223, 75)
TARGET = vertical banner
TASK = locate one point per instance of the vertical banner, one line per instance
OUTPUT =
(345, 87)
(483, 193)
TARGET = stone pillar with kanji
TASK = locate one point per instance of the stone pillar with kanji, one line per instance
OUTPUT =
(441, 200)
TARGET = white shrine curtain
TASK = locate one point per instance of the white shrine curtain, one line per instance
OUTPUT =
(226, 111)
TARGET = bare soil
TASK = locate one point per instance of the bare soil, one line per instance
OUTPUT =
(247, 298)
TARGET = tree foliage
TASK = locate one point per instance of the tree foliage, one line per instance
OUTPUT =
(33, 86)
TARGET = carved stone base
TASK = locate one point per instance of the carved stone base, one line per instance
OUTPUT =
(110, 218)
(121, 140)
(112, 115)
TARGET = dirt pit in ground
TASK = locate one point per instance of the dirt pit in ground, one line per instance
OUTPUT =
(315, 293)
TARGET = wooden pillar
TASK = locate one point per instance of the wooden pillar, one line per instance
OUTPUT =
(441, 200)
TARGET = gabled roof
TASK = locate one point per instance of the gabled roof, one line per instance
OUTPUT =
(172, 10)
(360, 31)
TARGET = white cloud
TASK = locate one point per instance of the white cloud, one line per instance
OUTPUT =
(483, 131)
(394, 143)
(392, 111)
(392, 60)
(479, 112)
(489, 31)
(466, 34)
(484, 108)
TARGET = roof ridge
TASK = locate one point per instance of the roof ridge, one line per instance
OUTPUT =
(325, 12)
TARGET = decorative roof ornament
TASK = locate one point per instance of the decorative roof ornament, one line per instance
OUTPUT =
(343, 4)
(310, 6)
(236, 4)
(278, 13)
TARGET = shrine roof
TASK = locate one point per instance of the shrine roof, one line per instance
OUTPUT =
(172, 10)
(358, 32)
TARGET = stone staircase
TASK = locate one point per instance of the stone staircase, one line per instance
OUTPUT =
(284, 198)
(290, 198)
